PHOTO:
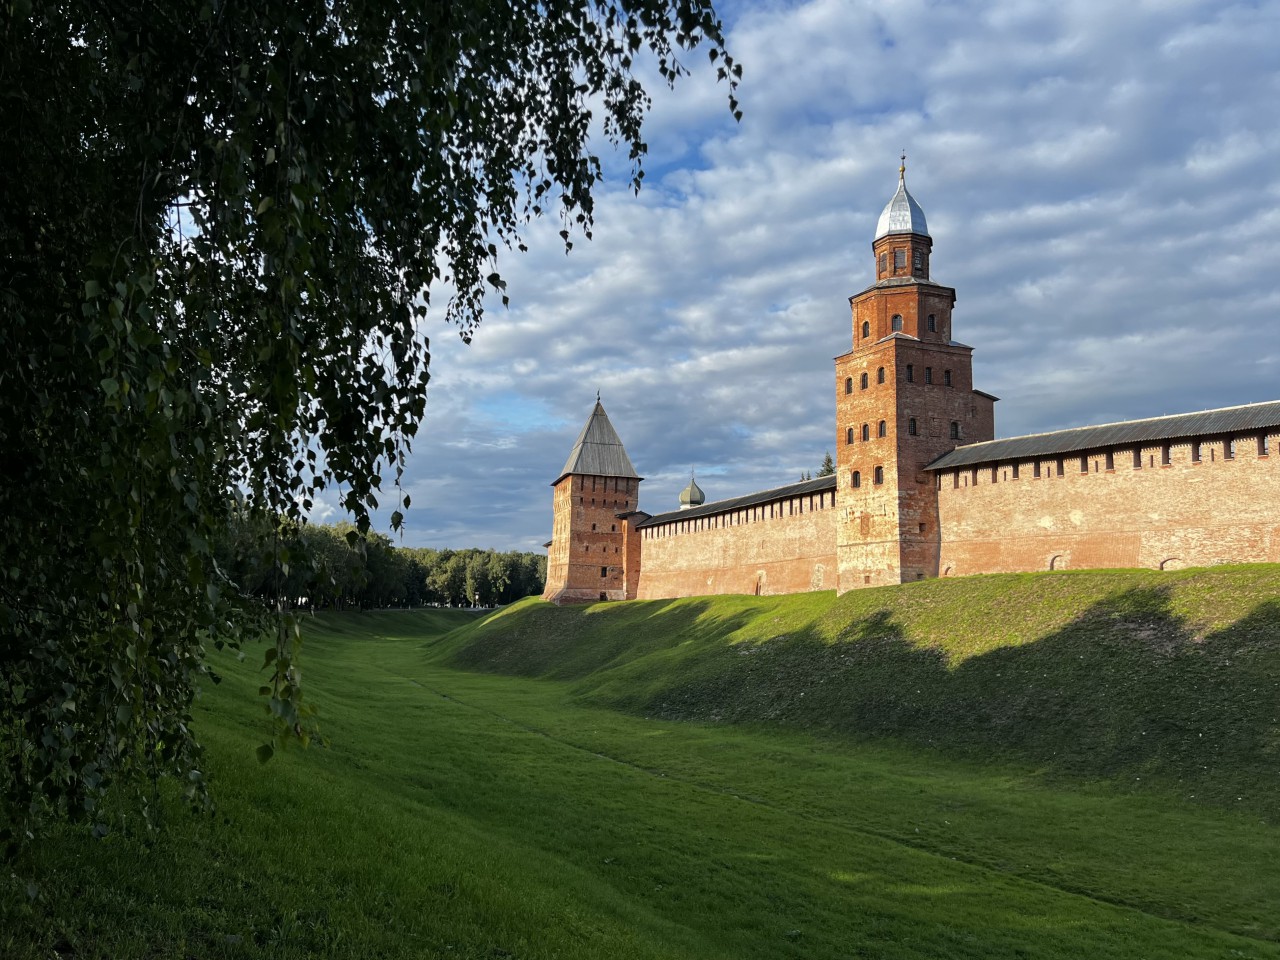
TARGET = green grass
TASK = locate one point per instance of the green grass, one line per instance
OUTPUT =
(556, 806)
(1131, 676)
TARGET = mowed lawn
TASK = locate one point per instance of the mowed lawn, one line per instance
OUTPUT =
(458, 814)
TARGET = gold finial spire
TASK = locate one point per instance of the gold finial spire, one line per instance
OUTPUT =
(902, 170)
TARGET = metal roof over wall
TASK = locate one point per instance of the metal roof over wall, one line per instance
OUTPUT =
(1223, 421)
(803, 488)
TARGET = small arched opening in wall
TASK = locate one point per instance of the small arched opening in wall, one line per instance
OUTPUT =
(1057, 562)
(948, 571)
(1172, 563)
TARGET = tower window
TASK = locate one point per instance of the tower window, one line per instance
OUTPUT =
(879, 475)
(848, 435)
(911, 373)
(928, 374)
(880, 375)
(864, 381)
(848, 384)
(866, 432)
(955, 429)
(899, 258)
(917, 263)
(856, 480)
(933, 323)
(604, 571)
(946, 377)
(866, 329)
(880, 429)
(896, 323)
(884, 262)
(911, 427)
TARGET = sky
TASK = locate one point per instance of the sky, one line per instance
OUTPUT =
(1102, 186)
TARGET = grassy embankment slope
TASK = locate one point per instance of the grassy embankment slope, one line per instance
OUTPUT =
(957, 780)
(1117, 674)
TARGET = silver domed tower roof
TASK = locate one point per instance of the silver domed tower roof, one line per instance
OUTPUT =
(692, 495)
(902, 214)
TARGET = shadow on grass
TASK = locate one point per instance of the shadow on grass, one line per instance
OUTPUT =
(1128, 689)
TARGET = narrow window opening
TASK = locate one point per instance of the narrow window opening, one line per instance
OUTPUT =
(880, 375)
(917, 262)
(899, 258)
(1111, 460)
(896, 323)
(955, 429)
(856, 480)
(911, 373)
(866, 432)
(933, 323)
(864, 381)
(1229, 449)
(848, 384)
(1015, 471)
(866, 329)
(1084, 464)
(848, 435)
(928, 374)
(1137, 458)
(881, 429)
(1195, 451)
(1166, 455)
(1060, 467)
(884, 262)
(604, 571)
(994, 477)
(946, 378)
(912, 428)
(1035, 470)
(1264, 445)
(879, 475)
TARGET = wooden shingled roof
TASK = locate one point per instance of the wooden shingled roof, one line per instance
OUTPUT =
(598, 452)
(1221, 422)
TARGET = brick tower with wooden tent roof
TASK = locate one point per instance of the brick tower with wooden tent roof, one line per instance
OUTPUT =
(586, 558)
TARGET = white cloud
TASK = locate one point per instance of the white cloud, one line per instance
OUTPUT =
(1099, 182)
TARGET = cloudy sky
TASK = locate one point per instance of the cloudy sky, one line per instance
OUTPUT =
(1102, 185)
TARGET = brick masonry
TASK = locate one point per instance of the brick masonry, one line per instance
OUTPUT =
(995, 519)
(787, 546)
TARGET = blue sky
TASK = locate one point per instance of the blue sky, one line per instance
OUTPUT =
(1101, 184)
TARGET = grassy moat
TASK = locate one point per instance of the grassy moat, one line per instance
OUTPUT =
(1052, 765)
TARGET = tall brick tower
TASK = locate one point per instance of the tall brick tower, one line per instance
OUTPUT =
(585, 558)
(904, 397)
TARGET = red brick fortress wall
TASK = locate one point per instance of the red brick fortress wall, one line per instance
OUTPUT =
(1219, 508)
(787, 546)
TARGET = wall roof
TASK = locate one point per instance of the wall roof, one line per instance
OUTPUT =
(1225, 420)
(803, 488)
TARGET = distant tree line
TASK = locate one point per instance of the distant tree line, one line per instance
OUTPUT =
(334, 566)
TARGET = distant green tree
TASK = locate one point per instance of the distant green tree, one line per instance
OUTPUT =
(828, 467)
(223, 225)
